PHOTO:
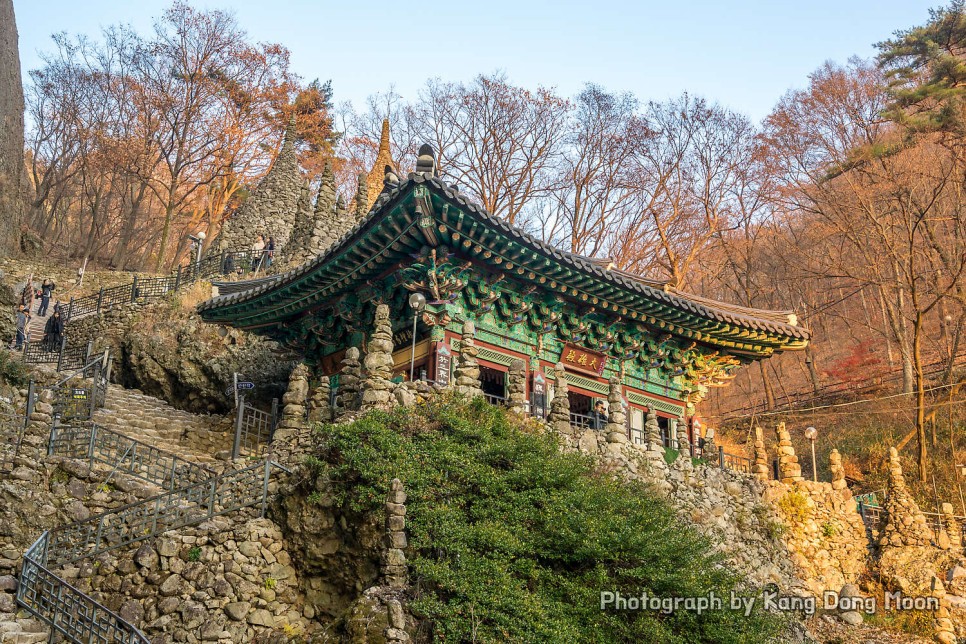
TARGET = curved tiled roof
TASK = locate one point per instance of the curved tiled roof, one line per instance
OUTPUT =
(777, 322)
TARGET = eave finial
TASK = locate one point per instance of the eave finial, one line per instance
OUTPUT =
(426, 161)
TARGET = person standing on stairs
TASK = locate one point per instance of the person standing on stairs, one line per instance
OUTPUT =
(258, 252)
(54, 331)
(23, 319)
(269, 252)
(46, 289)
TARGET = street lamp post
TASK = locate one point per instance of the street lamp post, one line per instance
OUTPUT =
(811, 434)
(416, 302)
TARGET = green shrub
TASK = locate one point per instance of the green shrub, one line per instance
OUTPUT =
(511, 540)
(13, 371)
(194, 554)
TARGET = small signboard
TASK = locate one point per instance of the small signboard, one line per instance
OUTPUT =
(444, 363)
(581, 359)
(238, 387)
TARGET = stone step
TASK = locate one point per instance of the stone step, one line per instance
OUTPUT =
(16, 628)
(153, 421)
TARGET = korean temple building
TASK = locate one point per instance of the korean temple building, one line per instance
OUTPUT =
(527, 300)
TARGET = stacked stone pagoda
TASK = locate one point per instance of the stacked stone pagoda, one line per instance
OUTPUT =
(374, 181)
(320, 227)
(496, 296)
(273, 207)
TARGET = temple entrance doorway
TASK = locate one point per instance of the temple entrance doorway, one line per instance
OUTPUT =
(493, 383)
(579, 403)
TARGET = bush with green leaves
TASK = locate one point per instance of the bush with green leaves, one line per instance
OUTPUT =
(512, 540)
(13, 371)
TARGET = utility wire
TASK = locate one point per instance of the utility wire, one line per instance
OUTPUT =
(836, 405)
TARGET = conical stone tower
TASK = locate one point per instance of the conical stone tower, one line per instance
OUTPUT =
(374, 182)
(321, 227)
(272, 208)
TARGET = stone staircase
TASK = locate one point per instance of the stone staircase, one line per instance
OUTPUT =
(155, 422)
(35, 330)
(21, 630)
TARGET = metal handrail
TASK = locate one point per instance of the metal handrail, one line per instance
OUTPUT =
(142, 520)
(584, 421)
(150, 464)
(65, 608)
(493, 399)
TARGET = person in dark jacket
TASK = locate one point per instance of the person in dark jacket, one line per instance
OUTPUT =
(23, 320)
(46, 289)
(598, 417)
(269, 252)
(54, 332)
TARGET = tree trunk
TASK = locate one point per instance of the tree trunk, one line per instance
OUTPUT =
(766, 384)
(810, 363)
(165, 232)
(920, 394)
(11, 133)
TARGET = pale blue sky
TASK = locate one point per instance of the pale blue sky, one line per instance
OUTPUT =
(743, 54)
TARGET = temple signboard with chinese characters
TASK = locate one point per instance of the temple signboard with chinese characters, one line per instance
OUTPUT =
(527, 301)
(581, 359)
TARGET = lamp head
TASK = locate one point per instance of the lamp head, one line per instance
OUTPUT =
(417, 301)
(811, 433)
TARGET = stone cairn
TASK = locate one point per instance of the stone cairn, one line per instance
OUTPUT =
(616, 416)
(684, 443)
(394, 569)
(652, 433)
(467, 373)
(838, 472)
(362, 196)
(559, 415)
(377, 386)
(394, 564)
(904, 523)
(320, 410)
(293, 432)
(517, 385)
(760, 468)
(953, 531)
(273, 206)
(383, 158)
(317, 229)
(350, 380)
(710, 452)
(788, 466)
(945, 630)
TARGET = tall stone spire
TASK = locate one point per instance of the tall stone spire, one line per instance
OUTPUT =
(272, 207)
(362, 199)
(376, 174)
(323, 226)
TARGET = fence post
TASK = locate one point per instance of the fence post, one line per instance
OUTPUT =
(274, 416)
(177, 279)
(87, 354)
(134, 289)
(70, 309)
(721, 458)
(239, 418)
(60, 356)
(268, 471)
(31, 392)
(100, 298)
(53, 436)
(221, 263)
